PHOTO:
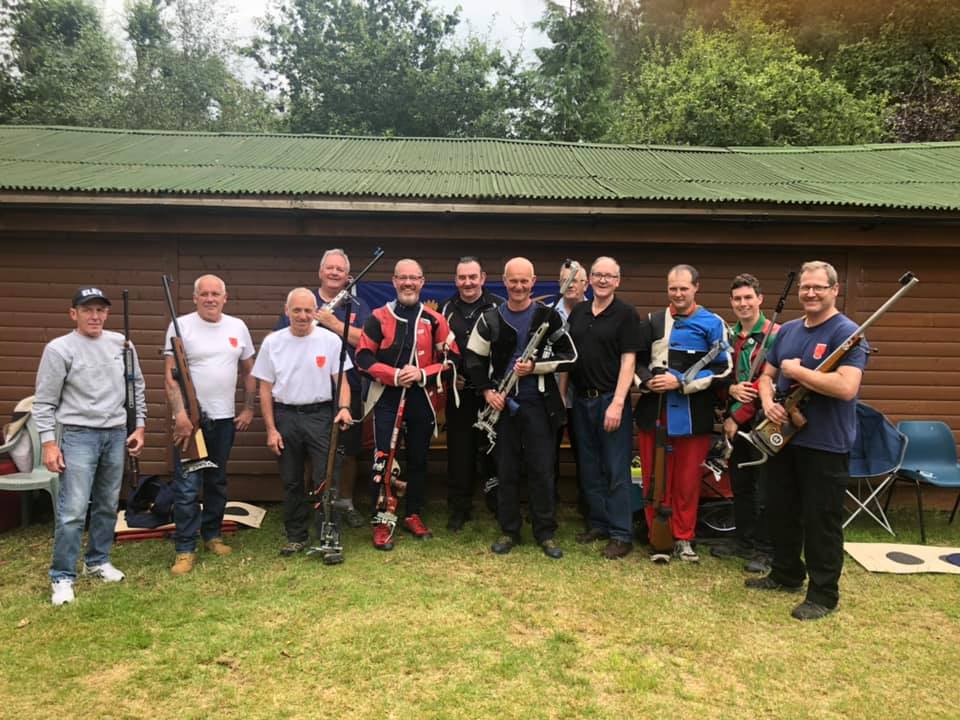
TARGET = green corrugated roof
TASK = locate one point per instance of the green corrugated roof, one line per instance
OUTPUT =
(916, 176)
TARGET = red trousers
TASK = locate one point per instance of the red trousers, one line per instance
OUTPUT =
(684, 471)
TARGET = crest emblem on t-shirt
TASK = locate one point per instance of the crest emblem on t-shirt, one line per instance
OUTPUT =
(819, 351)
(321, 360)
(233, 342)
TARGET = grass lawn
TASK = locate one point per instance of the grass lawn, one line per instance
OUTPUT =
(445, 629)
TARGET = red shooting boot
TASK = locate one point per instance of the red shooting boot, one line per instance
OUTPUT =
(414, 525)
(382, 537)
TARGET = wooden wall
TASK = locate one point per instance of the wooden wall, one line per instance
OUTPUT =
(47, 255)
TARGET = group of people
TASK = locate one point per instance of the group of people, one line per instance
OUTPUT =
(526, 368)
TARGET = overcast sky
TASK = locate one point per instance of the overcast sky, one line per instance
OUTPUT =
(510, 21)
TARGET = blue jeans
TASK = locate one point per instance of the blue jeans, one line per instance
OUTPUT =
(218, 436)
(94, 461)
(605, 466)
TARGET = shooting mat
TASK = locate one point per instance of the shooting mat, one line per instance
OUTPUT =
(905, 559)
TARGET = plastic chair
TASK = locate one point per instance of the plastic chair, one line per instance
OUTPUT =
(931, 458)
(876, 456)
(37, 479)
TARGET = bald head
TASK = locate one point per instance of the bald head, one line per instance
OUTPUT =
(519, 278)
(301, 307)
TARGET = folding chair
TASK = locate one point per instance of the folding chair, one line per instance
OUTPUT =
(877, 454)
(931, 458)
(37, 479)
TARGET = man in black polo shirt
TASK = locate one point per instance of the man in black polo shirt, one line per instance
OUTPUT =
(607, 333)
(463, 440)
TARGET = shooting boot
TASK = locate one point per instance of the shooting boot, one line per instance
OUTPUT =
(183, 563)
(217, 546)
(414, 525)
(382, 537)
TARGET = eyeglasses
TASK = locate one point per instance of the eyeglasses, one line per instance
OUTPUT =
(604, 276)
(818, 289)
(407, 278)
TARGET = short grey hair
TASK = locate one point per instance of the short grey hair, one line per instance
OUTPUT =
(814, 265)
(605, 257)
(335, 251)
(300, 289)
(196, 283)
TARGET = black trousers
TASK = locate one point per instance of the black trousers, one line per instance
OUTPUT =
(749, 486)
(468, 464)
(807, 489)
(303, 434)
(526, 438)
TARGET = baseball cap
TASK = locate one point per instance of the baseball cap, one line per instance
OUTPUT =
(86, 294)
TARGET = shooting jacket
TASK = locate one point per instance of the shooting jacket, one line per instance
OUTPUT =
(745, 349)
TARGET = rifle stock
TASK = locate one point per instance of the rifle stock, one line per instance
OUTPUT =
(130, 378)
(196, 451)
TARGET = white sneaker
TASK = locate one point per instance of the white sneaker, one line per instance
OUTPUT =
(62, 592)
(106, 572)
(684, 550)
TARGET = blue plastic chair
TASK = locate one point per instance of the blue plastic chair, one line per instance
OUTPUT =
(877, 454)
(931, 458)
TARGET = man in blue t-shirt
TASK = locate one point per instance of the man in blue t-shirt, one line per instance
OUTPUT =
(809, 476)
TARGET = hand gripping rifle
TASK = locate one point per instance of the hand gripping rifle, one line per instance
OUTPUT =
(661, 535)
(769, 437)
(195, 456)
(487, 418)
(129, 376)
(331, 505)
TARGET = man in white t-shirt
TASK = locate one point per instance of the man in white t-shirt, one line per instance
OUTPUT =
(219, 350)
(297, 368)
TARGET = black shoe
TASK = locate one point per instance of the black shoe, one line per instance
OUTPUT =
(617, 549)
(809, 610)
(292, 548)
(503, 545)
(353, 518)
(734, 549)
(457, 520)
(760, 564)
(551, 549)
(592, 535)
(768, 583)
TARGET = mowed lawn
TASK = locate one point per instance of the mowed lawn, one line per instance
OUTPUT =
(445, 629)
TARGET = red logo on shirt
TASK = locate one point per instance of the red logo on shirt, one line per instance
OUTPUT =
(233, 342)
(321, 360)
(819, 351)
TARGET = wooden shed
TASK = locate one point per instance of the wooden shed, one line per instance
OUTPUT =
(119, 208)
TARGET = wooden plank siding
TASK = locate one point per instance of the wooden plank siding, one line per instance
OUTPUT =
(915, 372)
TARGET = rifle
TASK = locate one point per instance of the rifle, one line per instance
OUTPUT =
(769, 437)
(331, 504)
(487, 418)
(661, 535)
(130, 401)
(758, 359)
(195, 456)
(386, 470)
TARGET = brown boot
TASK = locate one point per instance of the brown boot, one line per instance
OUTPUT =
(217, 546)
(183, 563)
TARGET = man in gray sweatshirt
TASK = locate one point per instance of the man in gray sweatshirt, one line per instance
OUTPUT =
(81, 387)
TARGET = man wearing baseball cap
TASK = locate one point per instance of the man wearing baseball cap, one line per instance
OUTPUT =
(81, 387)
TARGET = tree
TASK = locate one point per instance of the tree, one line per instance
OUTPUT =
(573, 85)
(747, 85)
(384, 67)
(181, 79)
(62, 66)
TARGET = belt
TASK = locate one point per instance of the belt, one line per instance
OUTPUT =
(591, 392)
(304, 409)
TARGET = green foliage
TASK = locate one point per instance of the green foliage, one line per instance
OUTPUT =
(747, 85)
(62, 67)
(384, 67)
(573, 83)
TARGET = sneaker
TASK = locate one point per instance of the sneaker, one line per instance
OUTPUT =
(660, 558)
(292, 548)
(217, 546)
(382, 537)
(809, 610)
(684, 550)
(353, 518)
(617, 549)
(414, 525)
(183, 563)
(503, 545)
(591, 535)
(457, 520)
(768, 583)
(551, 549)
(62, 592)
(105, 571)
